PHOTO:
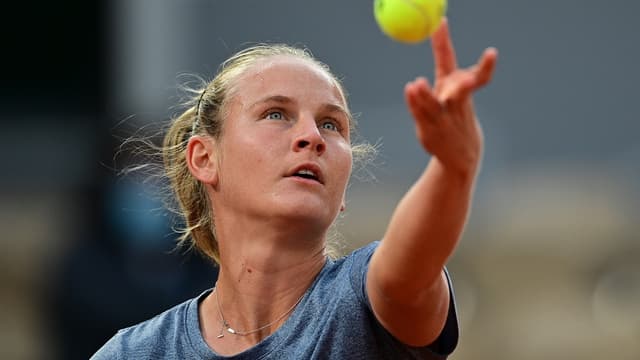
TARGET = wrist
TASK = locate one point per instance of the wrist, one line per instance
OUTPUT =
(462, 172)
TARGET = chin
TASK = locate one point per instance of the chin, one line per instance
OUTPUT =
(314, 212)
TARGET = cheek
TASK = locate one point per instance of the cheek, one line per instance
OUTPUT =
(247, 155)
(345, 161)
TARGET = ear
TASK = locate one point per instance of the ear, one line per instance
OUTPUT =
(201, 159)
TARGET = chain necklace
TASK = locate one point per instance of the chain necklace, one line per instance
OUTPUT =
(230, 330)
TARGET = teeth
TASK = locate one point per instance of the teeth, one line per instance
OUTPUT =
(307, 173)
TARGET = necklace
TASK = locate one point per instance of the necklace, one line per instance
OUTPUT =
(230, 330)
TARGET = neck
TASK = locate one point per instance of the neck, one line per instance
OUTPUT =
(267, 274)
(267, 246)
(264, 271)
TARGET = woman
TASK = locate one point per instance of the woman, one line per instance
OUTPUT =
(260, 165)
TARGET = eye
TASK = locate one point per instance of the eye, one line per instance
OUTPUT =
(329, 125)
(274, 115)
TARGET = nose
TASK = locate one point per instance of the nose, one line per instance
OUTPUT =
(308, 137)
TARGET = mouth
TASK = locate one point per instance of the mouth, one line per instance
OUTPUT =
(309, 172)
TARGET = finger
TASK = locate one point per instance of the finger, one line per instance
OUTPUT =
(457, 86)
(462, 82)
(485, 67)
(422, 103)
(443, 51)
(426, 97)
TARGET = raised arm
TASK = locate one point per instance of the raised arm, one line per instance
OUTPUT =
(406, 283)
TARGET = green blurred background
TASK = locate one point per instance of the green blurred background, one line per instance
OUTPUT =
(549, 266)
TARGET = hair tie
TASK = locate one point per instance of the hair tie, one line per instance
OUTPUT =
(195, 122)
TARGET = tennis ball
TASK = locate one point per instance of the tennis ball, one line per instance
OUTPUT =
(409, 21)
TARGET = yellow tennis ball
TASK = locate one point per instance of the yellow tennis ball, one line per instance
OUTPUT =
(409, 21)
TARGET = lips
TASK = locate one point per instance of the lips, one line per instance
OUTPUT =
(308, 171)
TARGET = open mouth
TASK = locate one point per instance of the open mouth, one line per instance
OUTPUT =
(307, 174)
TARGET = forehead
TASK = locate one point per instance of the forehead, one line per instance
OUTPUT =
(289, 76)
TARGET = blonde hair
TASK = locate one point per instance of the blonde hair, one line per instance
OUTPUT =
(205, 114)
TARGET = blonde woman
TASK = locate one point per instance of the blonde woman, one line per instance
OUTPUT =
(259, 165)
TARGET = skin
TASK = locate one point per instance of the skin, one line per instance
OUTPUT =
(406, 283)
(273, 127)
(271, 228)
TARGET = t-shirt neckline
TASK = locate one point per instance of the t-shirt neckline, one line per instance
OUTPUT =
(260, 350)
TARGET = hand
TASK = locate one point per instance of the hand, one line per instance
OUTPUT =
(446, 123)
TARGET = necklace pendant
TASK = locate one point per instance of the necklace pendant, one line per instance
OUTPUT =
(221, 335)
(230, 330)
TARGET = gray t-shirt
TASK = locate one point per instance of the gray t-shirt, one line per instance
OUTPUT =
(332, 321)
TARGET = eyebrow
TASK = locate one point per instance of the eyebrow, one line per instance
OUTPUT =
(285, 100)
(281, 99)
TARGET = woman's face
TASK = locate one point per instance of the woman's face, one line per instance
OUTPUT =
(285, 149)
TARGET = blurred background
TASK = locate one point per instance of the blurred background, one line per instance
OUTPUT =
(549, 266)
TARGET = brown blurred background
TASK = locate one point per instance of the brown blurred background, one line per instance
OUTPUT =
(549, 266)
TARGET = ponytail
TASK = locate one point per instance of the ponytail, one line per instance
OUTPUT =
(190, 193)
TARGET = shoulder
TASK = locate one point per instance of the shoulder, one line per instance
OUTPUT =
(149, 338)
(336, 285)
(440, 348)
(359, 265)
(366, 250)
(336, 320)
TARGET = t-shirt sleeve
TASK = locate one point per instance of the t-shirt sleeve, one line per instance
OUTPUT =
(448, 338)
(111, 350)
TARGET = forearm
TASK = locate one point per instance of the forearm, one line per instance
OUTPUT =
(405, 282)
(423, 232)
